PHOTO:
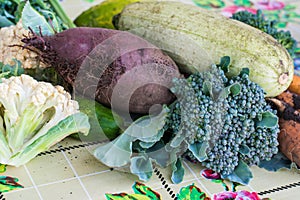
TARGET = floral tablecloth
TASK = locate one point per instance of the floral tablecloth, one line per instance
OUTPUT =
(69, 170)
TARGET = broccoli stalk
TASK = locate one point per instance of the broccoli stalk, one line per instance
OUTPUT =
(258, 21)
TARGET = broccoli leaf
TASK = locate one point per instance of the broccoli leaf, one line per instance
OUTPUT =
(245, 150)
(146, 129)
(199, 150)
(278, 161)
(242, 174)
(233, 89)
(120, 148)
(245, 71)
(207, 88)
(37, 22)
(268, 120)
(142, 167)
(159, 154)
(178, 139)
(177, 171)
(224, 64)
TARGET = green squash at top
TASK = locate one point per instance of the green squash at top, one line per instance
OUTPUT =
(102, 14)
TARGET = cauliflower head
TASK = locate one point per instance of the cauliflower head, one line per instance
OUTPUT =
(33, 117)
(12, 36)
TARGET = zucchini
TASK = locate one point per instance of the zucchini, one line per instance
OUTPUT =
(104, 123)
(196, 38)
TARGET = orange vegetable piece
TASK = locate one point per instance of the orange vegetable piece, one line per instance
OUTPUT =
(295, 85)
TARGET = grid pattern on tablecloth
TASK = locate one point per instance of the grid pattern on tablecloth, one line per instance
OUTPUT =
(71, 172)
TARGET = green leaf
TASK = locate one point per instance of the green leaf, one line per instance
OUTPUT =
(268, 120)
(177, 171)
(159, 154)
(33, 19)
(277, 162)
(147, 145)
(146, 129)
(121, 148)
(77, 122)
(245, 150)
(54, 21)
(233, 89)
(207, 88)
(11, 70)
(244, 71)
(224, 63)
(241, 174)
(178, 139)
(191, 192)
(142, 167)
(4, 22)
(199, 150)
(140, 188)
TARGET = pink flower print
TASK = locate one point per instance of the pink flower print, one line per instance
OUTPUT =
(225, 196)
(245, 195)
(269, 5)
(228, 11)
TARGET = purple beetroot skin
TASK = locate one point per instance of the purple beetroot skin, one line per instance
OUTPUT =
(116, 68)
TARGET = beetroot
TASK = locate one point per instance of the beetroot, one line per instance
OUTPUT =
(116, 68)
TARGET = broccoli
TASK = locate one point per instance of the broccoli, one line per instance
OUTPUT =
(228, 118)
(223, 123)
(258, 21)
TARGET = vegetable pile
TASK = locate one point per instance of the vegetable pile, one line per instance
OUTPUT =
(226, 124)
(211, 75)
(196, 38)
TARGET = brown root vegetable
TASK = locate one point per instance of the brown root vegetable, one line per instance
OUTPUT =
(116, 68)
(289, 123)
(286, 97)
(289, 139)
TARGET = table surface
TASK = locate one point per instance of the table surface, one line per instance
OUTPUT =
(69, 170)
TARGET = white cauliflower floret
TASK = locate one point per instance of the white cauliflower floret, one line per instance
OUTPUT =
(12, 36)
(33, 117)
